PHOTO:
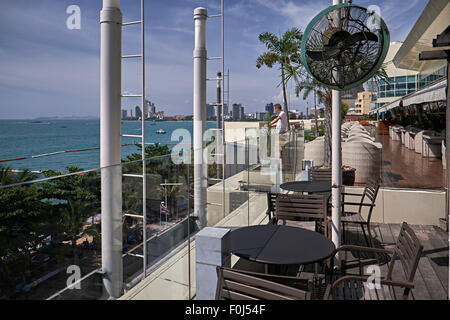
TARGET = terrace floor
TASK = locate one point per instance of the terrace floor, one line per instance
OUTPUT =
(403, 168)
(431, 279)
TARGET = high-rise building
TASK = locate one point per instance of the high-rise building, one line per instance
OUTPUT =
(259, 115)
(210, 112)
(225, 109)
(350, 96)
(269, 108)
(138, 112)
(236, 111)
(362, 105)
(241, 113)
(124, 114)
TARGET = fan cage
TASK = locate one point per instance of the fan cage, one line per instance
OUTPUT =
(354, 66)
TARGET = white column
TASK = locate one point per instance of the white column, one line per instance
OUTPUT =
(110, 146)
(336, 164)
(200, 183)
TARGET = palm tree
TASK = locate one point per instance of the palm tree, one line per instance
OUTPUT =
(324, 95)
(284, 51)
(74, 222)
(8, 176)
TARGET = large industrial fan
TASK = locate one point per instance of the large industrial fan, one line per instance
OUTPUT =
(345, 45)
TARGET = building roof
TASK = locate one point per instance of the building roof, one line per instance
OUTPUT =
(433, 21)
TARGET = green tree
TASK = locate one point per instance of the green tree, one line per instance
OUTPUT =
(285, 52)
(75, 198)
(344, 110)
(25, 222)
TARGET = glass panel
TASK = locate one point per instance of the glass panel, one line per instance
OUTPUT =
(400, 79)
(50, 235)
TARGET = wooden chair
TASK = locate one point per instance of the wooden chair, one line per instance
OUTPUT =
(271, 206)
(408, 250)
(292, 208)
(243, 285)
(370, 193)
(316, 174)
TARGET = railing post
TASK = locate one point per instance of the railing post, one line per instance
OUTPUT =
(212, 249)
(199, 104)
(110, 148)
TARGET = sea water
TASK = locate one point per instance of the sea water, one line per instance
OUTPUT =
(28, 138)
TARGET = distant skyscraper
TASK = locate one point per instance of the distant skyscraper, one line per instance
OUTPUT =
(269, 108)
(124, 114)
(225, 109)
(210, 112)
(138, 112)
(238, 111)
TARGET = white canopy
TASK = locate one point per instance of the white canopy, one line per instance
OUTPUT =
(432, 93)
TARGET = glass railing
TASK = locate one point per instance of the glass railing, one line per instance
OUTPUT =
(51, 235)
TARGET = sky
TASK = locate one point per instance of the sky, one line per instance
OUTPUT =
(47, 69)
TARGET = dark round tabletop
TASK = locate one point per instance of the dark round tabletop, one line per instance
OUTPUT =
(307, 186)
(280, 245)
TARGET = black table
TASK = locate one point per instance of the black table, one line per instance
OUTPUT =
(307, 186)
(280, 245)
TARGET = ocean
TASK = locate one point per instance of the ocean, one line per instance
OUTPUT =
(29, 138)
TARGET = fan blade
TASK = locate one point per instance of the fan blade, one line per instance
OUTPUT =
(323, 55)
(360, 36)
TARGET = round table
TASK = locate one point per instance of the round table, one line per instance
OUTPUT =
(280, 245)
(307, 186)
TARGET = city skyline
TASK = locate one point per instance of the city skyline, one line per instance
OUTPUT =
(49, 70)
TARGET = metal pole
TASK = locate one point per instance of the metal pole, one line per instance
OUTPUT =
(165, 199)
(315, 113)
(219, 120)
(110, 146)
(222, 18)
(336, 163)
(447, 159)
(219, 101)
(144, 169)
(200, 55)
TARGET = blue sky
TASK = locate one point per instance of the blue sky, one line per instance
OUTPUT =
(48, 70)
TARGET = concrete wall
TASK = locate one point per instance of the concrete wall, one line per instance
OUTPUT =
(416, 207)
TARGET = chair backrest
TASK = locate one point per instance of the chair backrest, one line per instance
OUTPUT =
(370, 192)
(290, 206)
(408, 250)
(271, 203)
(238, 285)
(316, 174)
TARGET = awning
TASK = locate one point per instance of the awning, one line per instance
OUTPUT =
(432, 93)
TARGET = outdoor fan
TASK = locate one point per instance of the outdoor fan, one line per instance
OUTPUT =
(344, 46)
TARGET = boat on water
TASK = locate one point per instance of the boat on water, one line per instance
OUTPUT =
(161, 131)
